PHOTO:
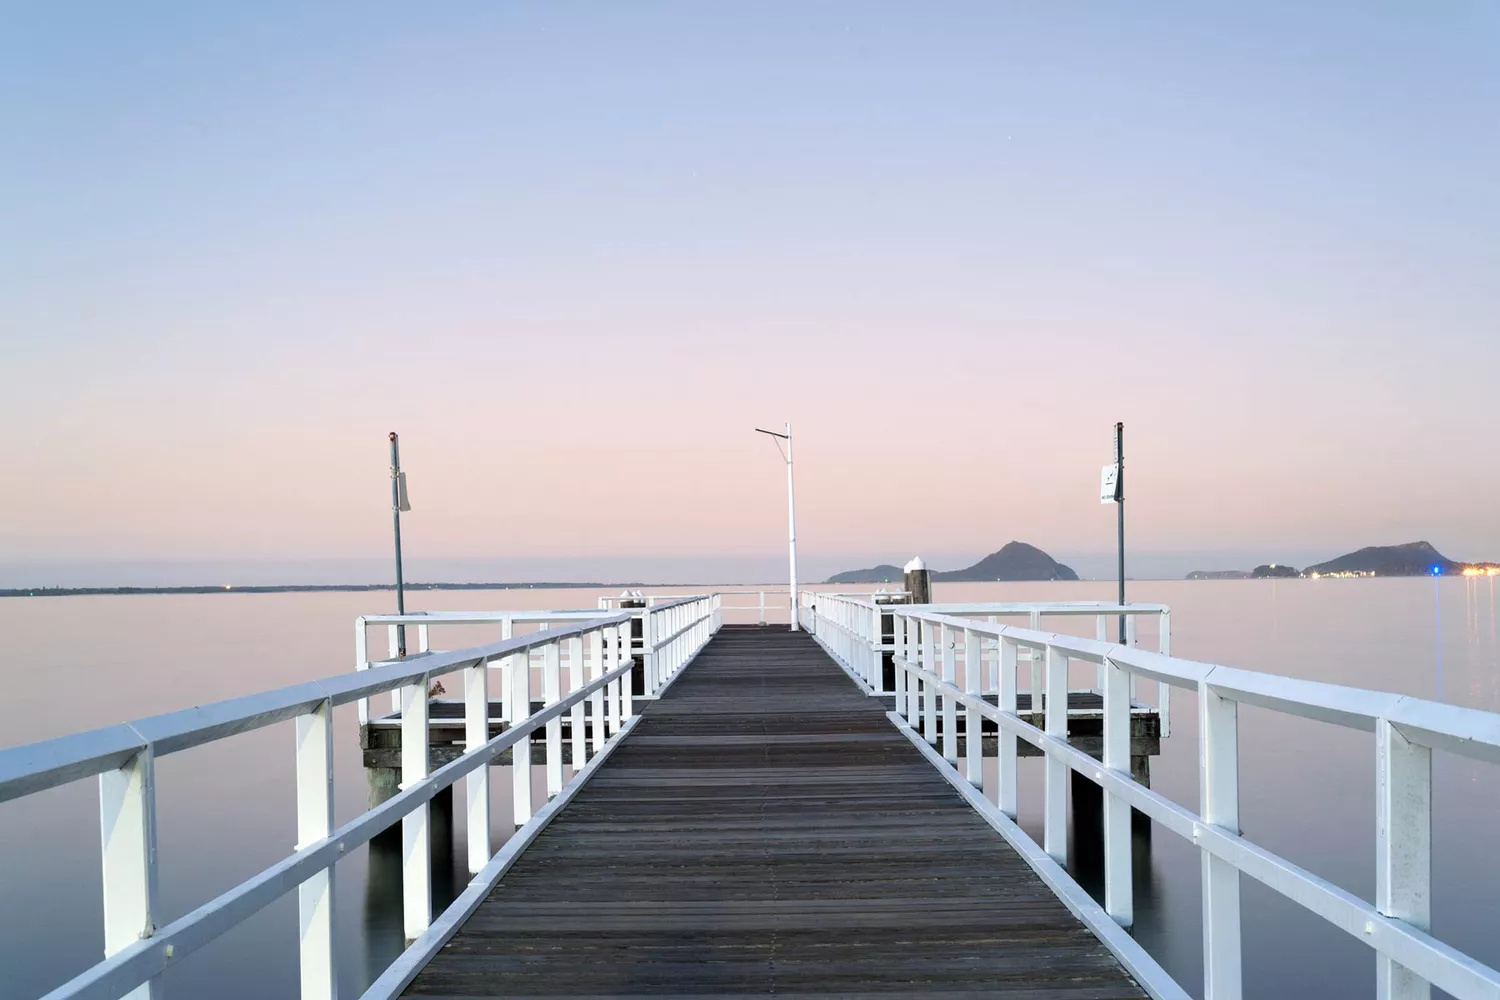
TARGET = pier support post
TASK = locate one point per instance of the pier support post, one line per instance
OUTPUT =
(918, 581)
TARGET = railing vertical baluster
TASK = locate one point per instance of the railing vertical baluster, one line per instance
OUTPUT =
(929, 689)
(416, 835)
(1055, 816)
(1219, 797)
(1403, 844)
(1005, 776)
(507, 686)
(612, 689)
(477, 781)
(992, 678)
(362, 662)
(913, 682)
(315, 822)
(973, 728)
(1101, 633)
(127, 833)
(627, 682)
(1163, 689)
(1036, 672)
(762, 607)
(520, 752)
(393, 641)
(424, 644)
(551, 694)
(898, 656)
(947, 640)
(1119, 902)
(596, 700)
(1130, 621)
(579, 736)
(648, 655)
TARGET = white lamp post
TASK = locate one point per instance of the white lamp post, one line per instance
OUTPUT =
(791, 511)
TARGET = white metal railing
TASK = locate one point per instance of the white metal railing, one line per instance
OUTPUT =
(422, 622)
(738, 601)
(851, 625)
(137, 951)
(1396, 925)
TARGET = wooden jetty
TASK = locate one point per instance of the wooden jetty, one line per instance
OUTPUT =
(758, 811)
(765, 829)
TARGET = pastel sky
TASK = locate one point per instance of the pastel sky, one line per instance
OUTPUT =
(575, 252)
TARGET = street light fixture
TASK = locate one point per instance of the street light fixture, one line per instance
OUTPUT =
(791, 510)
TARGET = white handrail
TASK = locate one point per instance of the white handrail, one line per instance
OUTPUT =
(859, 637)
(123, 757)
(1407, 730)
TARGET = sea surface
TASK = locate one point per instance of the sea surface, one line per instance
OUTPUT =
(226, 810)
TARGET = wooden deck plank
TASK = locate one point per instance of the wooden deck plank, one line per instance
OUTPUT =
(765, 831)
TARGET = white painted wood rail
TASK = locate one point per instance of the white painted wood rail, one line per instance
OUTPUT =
(596, 650)
(1395, 925)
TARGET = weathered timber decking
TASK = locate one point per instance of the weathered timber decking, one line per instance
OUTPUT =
(766, 831)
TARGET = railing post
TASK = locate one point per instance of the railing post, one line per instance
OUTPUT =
(1218, 769)
(507, 686)
(913, 682)
(898, 658)
(1163, 689)
(314, 823)
(1119, 900)
(551, 694)
(648, 654)
(1101, 634)
(1055, 815)
(973, 727)
(948, 641)
(1130, 641)
(579, 735)
(127, 828)
(362, 662)
(929, 688)
(596, 700)
(1036, 671)
(393, 642)
(762, 607)
(626, 688)
(477, 781)
(416, 836)
(1005, 775)
(612, 689)
(1403, 844)
(520, 752)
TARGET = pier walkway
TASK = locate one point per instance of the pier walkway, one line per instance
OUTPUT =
(744, 811)
(766, 829)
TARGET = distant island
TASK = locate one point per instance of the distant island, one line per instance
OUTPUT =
(1407, 559)
(1013, 562)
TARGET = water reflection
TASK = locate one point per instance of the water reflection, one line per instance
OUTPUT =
(384, 924)
(1306, 789)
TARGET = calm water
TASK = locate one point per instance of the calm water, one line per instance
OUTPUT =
(225, 811)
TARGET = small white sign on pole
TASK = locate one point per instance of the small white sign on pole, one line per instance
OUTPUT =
(402, 504)
(1109, 484)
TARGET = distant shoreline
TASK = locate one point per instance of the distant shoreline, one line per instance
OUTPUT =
(303, 588)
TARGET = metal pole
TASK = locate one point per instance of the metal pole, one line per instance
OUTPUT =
(1120, 512)
(396, 518)
(791, 521)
